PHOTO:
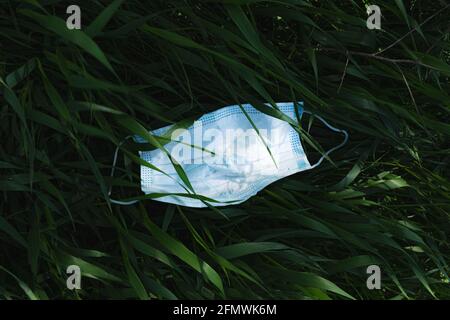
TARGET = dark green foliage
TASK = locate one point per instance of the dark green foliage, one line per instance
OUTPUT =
(67, 98)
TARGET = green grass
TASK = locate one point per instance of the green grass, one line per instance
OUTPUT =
(67, 99)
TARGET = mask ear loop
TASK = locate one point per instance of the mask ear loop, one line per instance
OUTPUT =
(113, 168)
(344, 132)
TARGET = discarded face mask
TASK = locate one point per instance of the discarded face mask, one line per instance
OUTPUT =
(227, 156)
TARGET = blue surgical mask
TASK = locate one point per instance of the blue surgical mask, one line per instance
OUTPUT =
(228, 155)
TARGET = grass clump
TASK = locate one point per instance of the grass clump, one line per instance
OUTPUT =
(67, 99)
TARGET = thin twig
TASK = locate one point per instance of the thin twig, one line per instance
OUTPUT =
(409, 89)
(343, 75)
(411, 31)
(371, 55)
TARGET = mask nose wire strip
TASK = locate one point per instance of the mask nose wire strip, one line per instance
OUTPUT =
(344, 132)
(113, 168)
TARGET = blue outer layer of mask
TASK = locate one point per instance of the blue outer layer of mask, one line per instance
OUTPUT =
(227, 155)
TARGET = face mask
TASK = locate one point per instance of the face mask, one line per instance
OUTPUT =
(228, 156)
